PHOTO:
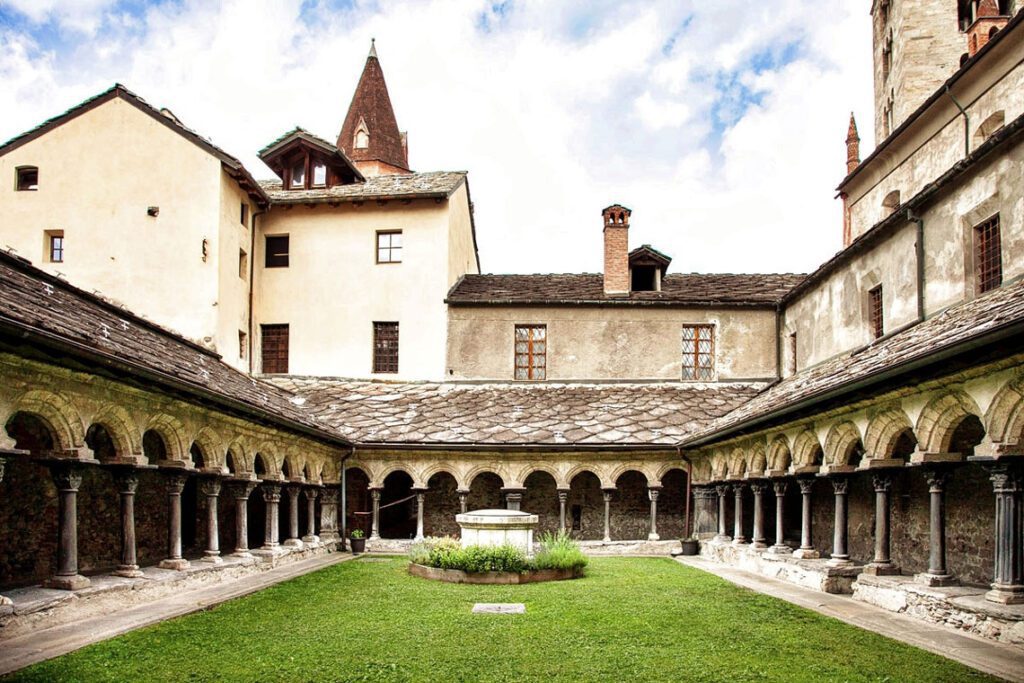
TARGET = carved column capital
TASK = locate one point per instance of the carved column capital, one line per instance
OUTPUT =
(722, 489)
(293, 490)
(271, 492)
(563, 495)
(1006, 478)
(841, 485)
(737, 488)
(779, 486)
(126, 479)
(937, 478)
(375, 495)
(653, 491)
(210, 486)
(242, 489)
(66, 476)
(175, 482)
(758, 487)
(607, 493)
(806, 485)
(312, 493)
(882, 481)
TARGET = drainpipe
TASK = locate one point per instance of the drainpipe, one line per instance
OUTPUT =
(967, 123)
(778, 342)
(252, 282)
(919, 248)
(689, 476)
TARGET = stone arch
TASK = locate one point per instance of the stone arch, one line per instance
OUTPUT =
(757, 461)
(941, 417)
(122, 430)
(211, 446)
(807, 450)
(577, 470)
(237, 458)
(843, 445)
(433, 468)
(719, 467)
(666, 467)
(291, 467)
(386, 470)
(1004, 421)
(528, 469)
(271, 456)
(173, 433)
(883, 432)
(476, 471)
(779, 457)
(701, 470)
(737, 464)
(58, 413)
(264, 466)
(622, 470)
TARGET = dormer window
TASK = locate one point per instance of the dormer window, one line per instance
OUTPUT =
(647, 267)
(319, 175)
(26, 178)
(644, 279)
(298, 174)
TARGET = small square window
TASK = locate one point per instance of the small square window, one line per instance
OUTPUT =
(26, 178)
(277, 251)
(243, 264)
(243, 217)
(389, 246)
(55, 246)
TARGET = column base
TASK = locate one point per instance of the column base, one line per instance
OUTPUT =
(780, 549)
(806, 554)
(241, 554)
(739, 540)
(293, 543)
(839, 561)
(1006, 595)
(881, 569)
(67, 583)
(374, 537)
(268, 551)
(653, 537)
(311, 540)
(212, 558)
(4, 601)
(129, 571)
(936, 580)
(178, 564)
(759, 544)
(722, 538)
(607, 539)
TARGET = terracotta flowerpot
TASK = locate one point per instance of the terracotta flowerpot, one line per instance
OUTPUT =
(358, 545)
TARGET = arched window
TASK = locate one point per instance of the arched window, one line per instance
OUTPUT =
(362, 140)
(990, 126)
(891, 202)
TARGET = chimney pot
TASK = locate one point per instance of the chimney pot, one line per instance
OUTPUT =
(616, 250)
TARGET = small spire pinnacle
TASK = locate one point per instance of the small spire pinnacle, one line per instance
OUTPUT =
(852, 146)
(373, 48)
(851, 133)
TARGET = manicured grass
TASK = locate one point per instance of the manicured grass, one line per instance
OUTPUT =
(630, 619)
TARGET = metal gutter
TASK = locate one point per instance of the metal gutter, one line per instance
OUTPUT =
(483, 446)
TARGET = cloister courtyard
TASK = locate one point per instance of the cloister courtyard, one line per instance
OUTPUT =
(630, 618)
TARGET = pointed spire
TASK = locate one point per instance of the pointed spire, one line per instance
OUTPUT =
(852, 146)
(370, 135)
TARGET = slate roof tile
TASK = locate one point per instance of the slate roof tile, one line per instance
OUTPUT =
(432, 184)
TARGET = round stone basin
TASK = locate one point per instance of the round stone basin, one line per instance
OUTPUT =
(498, 527)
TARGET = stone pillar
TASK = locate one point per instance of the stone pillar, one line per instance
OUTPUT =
(311, 538)
(68, 478)
(175, 485)
(375, 520)
(937, 574)
(272, 497)
(737, 528)
(329, 515)
(563, 498)
(463, 500)
(3, 462)
(210, 487)
(127, 481)
(607, 514)
(759, 540)
(723, 534)
(704, 511)
(1008, 577)
(840, 557)
(421, 495)
(293, 540)
(652, 493)
(241, 491)
(882, 564)
(780, 547)
(806, 551)
(513, 498)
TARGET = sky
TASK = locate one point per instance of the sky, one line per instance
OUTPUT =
(721, 124)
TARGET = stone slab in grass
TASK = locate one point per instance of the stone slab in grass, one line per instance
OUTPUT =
(499, 608)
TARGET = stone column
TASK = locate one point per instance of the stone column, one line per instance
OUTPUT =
(652, 493)
(241, 491)
(882, 564)
(780, 547)
(311, 538)
(272, 497)
(1008, 577)
(513, 498)
(127, 481)
(3, 462)
(737, 528)
(806, 550)
(210, 487)
(421, 495)
(329, 514)
(607, 514)
(375, 520)
(723, 532)
(704, 511)
(840, 558)
(759, 540)
(937, 574)
(463, 500)
(563, 498)
(175, 485)
(68, 478)
(293, 540)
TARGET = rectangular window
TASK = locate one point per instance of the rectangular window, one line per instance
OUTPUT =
(277, 251)
(792, 353)
(244, 214)
(875, 315)
(243, 264)
(699, 352)
(531, 352)
(55, 246)
(389, 246)
(26, 178)
(385, 347)
(243, 340)
(274, 349)
(298, 175)
(319, 175)
(988, 255)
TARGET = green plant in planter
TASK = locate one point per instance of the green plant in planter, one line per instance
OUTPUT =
(357, 533)
(559, 551)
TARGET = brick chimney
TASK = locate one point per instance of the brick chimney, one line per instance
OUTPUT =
(852, 146)
(616, 250)
(987, 22)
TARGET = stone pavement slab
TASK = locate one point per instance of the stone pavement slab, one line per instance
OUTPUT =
(998, 659)
(37, 646)
(499, 608)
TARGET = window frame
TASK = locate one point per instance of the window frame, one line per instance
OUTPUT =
(532, 368)
(382, 363)
(19, 185)
(390, 249)
(243, 264)
(243, 216)
(50, 236)
(876, 311)
(699, 373)
(987, 247)
(275, 328)
(276, 259)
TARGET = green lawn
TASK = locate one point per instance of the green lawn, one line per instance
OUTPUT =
(629, 619)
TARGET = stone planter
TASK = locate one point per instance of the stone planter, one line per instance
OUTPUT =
(457, 576)
(358, 545)
(691, 546)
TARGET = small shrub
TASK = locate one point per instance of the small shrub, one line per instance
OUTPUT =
(559, 551)
(448, 553)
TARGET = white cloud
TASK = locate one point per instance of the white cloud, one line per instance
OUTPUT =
(78, 15)
(557, 110)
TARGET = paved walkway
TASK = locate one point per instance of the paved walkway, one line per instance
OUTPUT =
(998, 659)
(37, 646)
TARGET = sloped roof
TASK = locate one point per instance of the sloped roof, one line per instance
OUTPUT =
(52, 313)
(435, 184)
(231, 164)
(926, 342)
(690, 289)
(647, 252)
(509, 414)
(371, 104)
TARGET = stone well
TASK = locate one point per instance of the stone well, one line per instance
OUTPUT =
(498, 527)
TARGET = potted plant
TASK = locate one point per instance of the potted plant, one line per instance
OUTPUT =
(358, 541)
(690, 546)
